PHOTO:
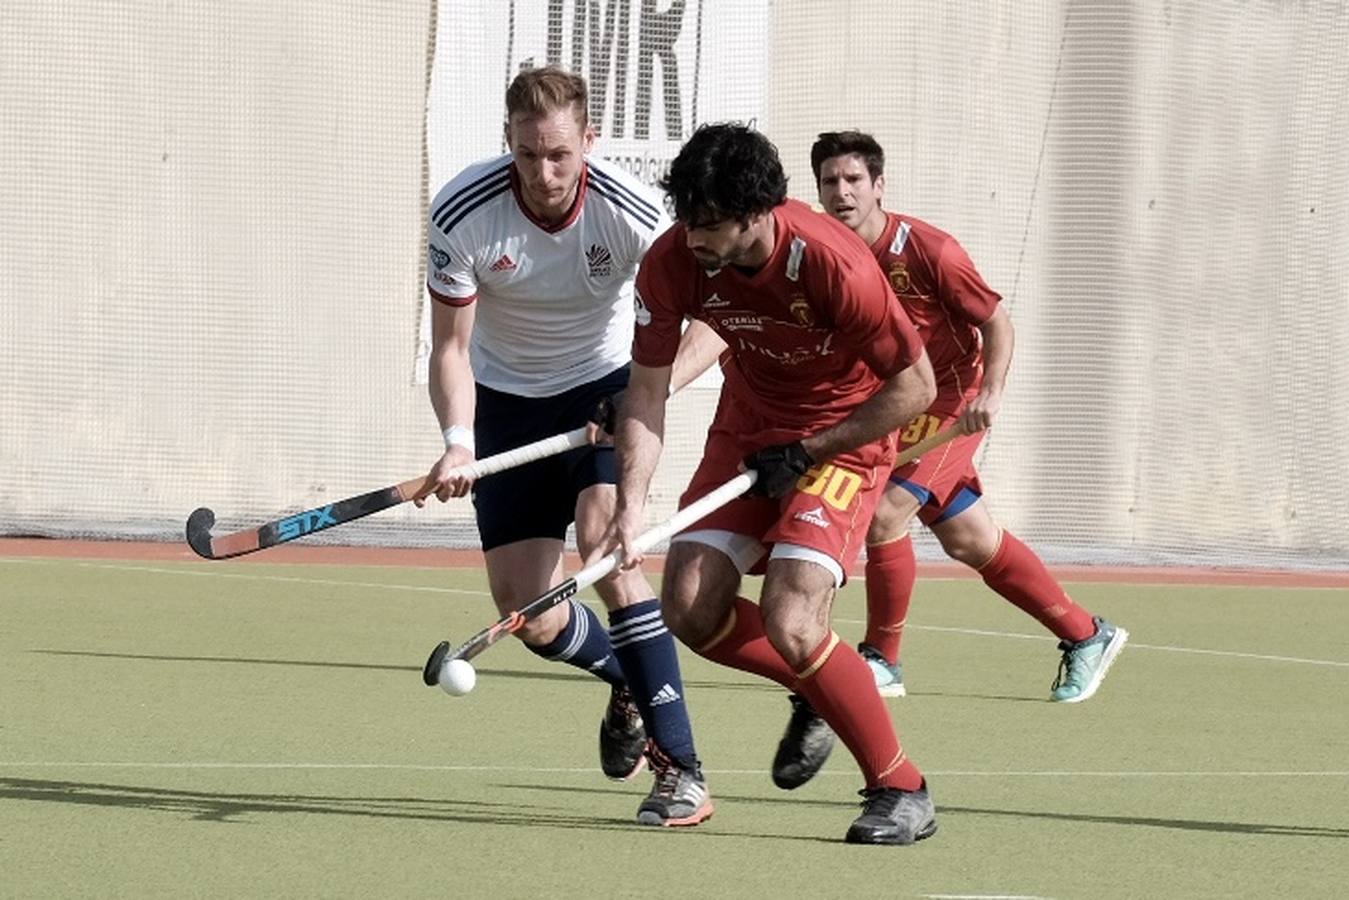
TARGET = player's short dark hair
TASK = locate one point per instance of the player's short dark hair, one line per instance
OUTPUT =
(543, 91)
(845, 143)
(725, 171)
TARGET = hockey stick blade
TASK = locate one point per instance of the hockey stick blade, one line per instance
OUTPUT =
(431, 671)
(199, 531)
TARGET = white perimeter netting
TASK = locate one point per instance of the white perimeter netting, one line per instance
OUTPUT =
(212, 247)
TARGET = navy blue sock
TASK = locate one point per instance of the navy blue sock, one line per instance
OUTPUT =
(646, 649)
(584, 644)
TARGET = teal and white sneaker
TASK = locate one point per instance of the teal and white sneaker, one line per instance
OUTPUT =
(889, 679)
(1085, 663)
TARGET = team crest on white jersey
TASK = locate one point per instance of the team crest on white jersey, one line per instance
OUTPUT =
(439, 258)
(599, 261)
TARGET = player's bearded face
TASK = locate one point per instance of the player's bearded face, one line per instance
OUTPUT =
(549, 153)
(847, 191)
(716, 245)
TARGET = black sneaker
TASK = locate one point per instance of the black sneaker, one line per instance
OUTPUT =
(622, 737)
(804, 747)
(892, 816)
(679, 796)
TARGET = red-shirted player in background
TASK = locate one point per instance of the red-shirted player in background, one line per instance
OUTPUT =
(822, 369)
(969, 338)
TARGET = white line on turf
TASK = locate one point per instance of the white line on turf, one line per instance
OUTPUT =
(216, 573)
(1132, 645)
(561, 770)
(982, 897)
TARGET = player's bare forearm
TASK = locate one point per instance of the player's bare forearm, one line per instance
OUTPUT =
(900, 398)
(450, 384)
(450, 375)
(640, 435)
(999, 337)
(698, 351)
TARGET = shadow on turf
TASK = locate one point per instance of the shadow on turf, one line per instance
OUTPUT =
(209, 806)
(1153, 822)
(942, 810)
(563, 675)
(206, 806)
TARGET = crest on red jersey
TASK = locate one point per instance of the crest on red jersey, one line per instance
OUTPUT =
(801, 311)
(899, 278)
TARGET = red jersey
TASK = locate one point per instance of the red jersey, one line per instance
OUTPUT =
(944, 296)
(812, 333)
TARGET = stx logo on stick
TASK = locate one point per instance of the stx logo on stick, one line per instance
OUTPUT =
(305, 522)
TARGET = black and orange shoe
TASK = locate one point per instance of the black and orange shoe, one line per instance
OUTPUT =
(622, 737)
(679, 797)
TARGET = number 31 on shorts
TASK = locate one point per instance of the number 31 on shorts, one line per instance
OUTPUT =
(833, 485)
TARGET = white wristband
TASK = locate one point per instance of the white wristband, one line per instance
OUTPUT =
(459, 436)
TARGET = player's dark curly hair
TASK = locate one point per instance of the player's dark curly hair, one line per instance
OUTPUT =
(845, 143)
(725, 171)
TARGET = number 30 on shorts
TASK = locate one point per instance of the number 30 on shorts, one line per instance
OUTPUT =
(833, 485)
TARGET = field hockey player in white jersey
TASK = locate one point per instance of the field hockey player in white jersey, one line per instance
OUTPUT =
(530, 266)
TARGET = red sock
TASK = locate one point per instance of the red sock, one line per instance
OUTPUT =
(1018, 574)
(891, 571)
(742, 644)
(839, 684)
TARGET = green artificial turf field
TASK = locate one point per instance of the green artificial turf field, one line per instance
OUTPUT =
(223, 729)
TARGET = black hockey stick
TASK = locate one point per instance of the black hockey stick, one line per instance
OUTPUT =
(279, 531)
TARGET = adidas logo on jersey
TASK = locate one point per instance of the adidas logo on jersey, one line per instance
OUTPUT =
(665, 695)
(504, 264)
(599, 261)
(813, 516)
(715, 302)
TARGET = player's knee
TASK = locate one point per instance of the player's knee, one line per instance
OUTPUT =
(892, 517)
(694, 622)
(971, 547)
(545, 628)
(624, 588)
(885, 528)
(697, 592)
(679, 607)
(793, 626)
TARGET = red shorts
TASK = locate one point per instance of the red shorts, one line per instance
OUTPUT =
(943, 475)
(828, 510)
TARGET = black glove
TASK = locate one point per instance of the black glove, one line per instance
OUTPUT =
(778, 466)
(606, 414)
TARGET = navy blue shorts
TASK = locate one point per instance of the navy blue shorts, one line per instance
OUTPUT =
(538, 500)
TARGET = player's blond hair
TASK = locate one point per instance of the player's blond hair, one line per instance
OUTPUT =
(540, 92)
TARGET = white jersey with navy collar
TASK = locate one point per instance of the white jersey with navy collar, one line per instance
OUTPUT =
(555, 305)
